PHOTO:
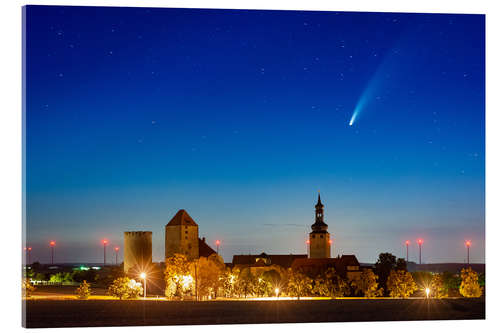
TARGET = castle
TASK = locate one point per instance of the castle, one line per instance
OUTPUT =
(181, 237)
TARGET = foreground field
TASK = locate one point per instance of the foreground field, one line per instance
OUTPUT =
(58, 313)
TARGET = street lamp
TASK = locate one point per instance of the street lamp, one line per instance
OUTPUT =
(104, 243)
(217, 242)
(427, 292)
(29, 255)
(420, 241)
(116, 255)
(407, 244)
(277, 292)
(52, 245)
(143, 277)
(467, 244)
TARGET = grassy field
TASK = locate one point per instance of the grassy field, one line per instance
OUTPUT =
(61, 313)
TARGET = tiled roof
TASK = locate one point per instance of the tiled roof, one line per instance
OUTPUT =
(283, 260)
(204, 249)
(182, 218)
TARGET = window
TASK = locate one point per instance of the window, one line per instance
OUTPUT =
(321, 236)
(313, 236)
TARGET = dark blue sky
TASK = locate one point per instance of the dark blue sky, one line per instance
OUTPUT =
(240, 117)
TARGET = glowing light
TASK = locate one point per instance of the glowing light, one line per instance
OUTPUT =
(143, 275)
(187, 281)
(407, 242)
(420, 241)
(427, 292)
(307, 241)
(105, 241)
(217, 242)
(277, 291)
(52, 243)
(353, 118)
(330, 242)
(467, 243)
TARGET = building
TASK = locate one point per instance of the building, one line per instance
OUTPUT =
(264, 262)
(347, 266)
(181, 237)
(138, 250)
(319, 238)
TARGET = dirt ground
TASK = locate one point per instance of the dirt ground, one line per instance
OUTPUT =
(72, 313)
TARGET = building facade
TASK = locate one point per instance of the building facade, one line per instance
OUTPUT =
(181, 236)
(319, 238)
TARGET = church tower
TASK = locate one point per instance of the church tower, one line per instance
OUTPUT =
(319, 238)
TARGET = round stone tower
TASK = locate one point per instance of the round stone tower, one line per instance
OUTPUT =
(138, 250)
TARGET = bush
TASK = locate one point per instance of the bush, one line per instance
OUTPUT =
(469, 287)
(125, 288)
(28, 288)
(401, 284)
(83, 291)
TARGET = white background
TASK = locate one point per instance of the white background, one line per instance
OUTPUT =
(11, 157)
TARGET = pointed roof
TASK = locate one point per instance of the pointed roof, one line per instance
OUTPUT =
(181, 218)
(319, 204)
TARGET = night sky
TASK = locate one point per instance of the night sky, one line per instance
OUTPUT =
(240, 117)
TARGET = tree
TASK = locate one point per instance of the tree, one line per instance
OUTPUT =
(401, 265)
(177, 268)
(400, 284)
(125, 288)
(228, 280)
(299, 284)
(83, 291)
(61, 277)
(451, 283)
(385, 264)
(273, 277)
(366, 284)
(438, 289)
(330, 284)
(246, 283)
(208, 276)
(469, 287)
(27, 287)
(263, 287)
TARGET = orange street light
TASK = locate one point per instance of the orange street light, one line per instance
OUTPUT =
(52, 245)
(116, 255)
(420, 241)
(104, 243)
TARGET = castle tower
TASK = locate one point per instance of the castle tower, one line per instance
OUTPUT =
(138, 250)
(181, 236)
(319, 238)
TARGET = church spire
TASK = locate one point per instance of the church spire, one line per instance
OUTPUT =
(319, 223)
